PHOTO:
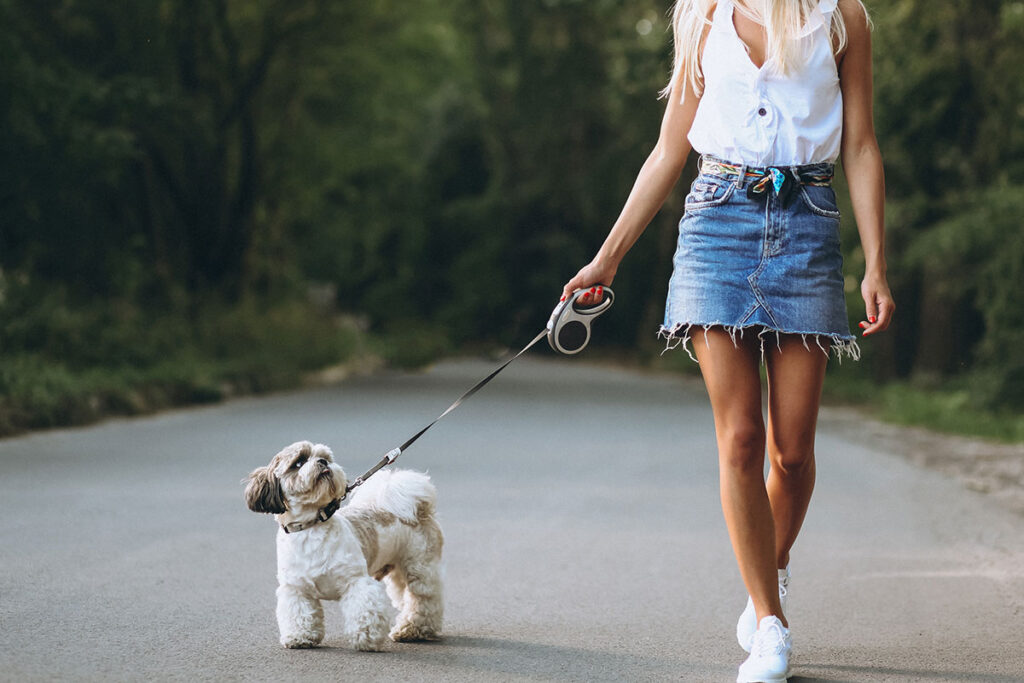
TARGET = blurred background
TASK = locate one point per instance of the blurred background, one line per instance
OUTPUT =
(205, 197)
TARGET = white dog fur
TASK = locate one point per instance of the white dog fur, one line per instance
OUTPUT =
(386, 533)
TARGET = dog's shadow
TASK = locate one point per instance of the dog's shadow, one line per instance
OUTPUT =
(460, 657)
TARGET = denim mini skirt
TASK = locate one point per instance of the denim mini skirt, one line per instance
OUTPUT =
(758, 253)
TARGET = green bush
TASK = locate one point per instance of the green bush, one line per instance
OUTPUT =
(65, 366)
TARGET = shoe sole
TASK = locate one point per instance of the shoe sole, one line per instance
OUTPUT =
(783, 679)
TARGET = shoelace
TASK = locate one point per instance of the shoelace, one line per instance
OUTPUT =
(770, 641)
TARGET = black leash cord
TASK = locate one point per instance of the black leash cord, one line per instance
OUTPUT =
(393, 454)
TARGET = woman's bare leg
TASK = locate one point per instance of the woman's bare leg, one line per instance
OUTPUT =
(732, 377)
(795, 377)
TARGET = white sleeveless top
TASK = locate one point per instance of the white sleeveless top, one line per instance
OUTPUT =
(761, 118)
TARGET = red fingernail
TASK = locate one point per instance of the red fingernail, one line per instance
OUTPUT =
(563, 298)
(593, 289)
(871, 319)
(862, 325)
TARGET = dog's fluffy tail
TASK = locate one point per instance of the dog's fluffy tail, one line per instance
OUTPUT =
(408, 495)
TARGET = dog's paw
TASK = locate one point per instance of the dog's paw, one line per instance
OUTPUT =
(299, 642)
(407, 633)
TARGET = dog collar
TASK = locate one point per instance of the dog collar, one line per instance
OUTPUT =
(322, 515)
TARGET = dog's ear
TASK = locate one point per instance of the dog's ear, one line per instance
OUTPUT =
(263, 492)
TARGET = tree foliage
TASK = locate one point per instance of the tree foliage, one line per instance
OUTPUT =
(951, 126)
(444, 166)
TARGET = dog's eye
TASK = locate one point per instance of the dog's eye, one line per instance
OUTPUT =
(298, 463)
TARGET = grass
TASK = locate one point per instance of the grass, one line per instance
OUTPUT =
(950, 408)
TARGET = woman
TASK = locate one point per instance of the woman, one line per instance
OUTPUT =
(771, 93)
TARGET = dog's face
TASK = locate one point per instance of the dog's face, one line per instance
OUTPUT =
(303, 475)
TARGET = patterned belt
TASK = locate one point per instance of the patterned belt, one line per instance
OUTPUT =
(782, 179)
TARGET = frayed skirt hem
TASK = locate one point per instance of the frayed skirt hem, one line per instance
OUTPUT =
(681, 334)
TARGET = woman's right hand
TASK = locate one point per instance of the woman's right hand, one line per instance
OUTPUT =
(594, 276)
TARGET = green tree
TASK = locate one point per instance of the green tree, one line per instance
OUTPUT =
(949, 86)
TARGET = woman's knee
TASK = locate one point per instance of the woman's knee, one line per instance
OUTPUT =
(741, 447)
(792, 458)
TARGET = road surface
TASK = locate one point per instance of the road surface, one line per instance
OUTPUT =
(584, 542)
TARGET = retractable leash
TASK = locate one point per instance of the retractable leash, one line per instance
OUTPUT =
(568, 327)
(568, 332)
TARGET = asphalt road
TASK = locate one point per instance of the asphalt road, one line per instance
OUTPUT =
(584, 542)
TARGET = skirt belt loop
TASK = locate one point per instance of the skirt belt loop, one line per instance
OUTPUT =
(741, 177)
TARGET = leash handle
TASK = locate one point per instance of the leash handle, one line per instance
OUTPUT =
(569, 325)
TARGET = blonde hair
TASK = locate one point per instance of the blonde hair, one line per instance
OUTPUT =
(783, 20)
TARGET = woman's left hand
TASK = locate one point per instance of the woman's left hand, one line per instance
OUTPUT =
(878, 304)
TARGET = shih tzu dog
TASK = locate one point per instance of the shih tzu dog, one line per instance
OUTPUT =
(386, 534)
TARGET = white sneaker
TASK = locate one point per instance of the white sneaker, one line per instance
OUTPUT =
(747, 624)
(769, 654)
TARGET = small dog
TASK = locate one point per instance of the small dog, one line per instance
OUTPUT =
(387, 532)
